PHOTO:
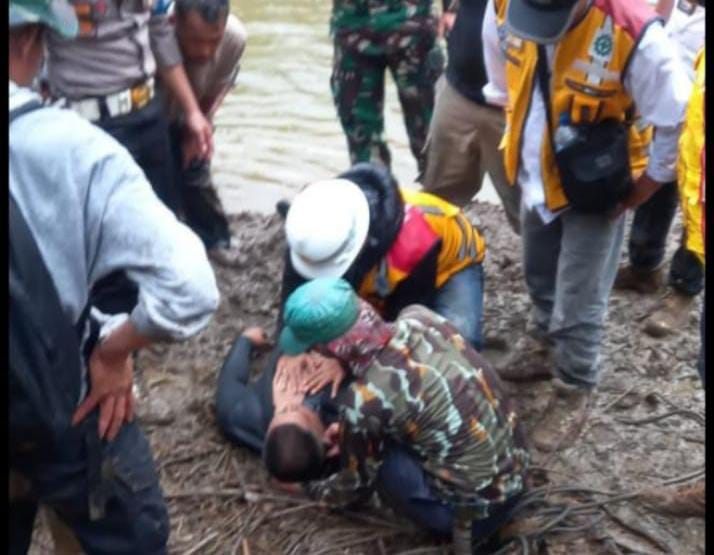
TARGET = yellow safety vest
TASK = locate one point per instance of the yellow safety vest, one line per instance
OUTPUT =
(691, 174)
(427, 218)
(586, 82)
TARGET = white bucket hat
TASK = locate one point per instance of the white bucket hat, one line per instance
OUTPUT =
(326, 227)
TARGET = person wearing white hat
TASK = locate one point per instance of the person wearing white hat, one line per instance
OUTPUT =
(395, 246)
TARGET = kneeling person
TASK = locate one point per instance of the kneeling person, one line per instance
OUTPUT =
(424, 422)
(394, 246)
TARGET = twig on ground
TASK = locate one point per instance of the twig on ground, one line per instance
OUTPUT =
(358, 541)
(295, 509)
(635, 529)
(187, 457)
(232, 492)
(619, 398)
(203, 543)
(685, 477)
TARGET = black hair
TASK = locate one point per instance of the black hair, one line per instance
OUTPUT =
(293, 454)
(211, 11)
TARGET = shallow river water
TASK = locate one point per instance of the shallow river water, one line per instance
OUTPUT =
(278, 129)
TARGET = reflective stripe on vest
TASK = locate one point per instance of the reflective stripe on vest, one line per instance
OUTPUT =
(589, 65)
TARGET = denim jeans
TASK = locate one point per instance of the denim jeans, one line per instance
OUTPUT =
(135, 518)
(570, 266)
(402, 484)
(460, 301)
(648, 240)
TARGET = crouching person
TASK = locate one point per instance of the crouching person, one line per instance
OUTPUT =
(424, 423)
(396, 247)
(80, 208)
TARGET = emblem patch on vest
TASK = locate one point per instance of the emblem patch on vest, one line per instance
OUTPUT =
(603, 45)
(601, 50)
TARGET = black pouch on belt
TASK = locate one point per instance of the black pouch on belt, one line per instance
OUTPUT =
(595, 169)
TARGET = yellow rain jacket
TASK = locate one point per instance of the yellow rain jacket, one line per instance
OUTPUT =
(691, 174)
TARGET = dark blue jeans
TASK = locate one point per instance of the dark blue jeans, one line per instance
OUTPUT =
(135, 520)
(402, 484)
(648, 239)
(460, 301)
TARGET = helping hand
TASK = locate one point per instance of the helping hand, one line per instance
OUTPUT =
(641, 192)
(256, 335)
(446, 23)
(325, 371)
(198, 142)
(331, 440)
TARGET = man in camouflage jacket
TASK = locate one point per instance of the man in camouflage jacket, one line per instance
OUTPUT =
(425, 420)
(369, 37)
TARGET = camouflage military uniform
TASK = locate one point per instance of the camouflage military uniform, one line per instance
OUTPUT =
(430, 391)
(369, 37)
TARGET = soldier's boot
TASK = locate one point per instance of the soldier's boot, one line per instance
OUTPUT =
(530, 360)
(685, 500)
(564, 417)
(670, 316)
(646, 282)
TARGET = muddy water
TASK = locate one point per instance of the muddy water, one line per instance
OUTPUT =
(278, 129)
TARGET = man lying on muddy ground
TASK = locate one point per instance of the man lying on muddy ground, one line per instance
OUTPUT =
(394, 246)
(245, 409)
(424, 423)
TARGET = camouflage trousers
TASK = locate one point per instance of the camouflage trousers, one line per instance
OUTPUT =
(361, 59)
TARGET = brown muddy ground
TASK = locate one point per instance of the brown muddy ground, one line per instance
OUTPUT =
(221, 502)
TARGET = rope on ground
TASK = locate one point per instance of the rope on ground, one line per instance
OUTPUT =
(575, 516)
(676, 412)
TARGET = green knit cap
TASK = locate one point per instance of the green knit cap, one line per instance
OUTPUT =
(317, 312)
(57, 14)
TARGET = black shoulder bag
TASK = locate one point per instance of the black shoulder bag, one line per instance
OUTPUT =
(594, 170)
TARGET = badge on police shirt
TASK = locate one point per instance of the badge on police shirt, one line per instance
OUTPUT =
(686, 6)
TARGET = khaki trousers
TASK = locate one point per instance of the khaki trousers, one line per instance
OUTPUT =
(462, 146)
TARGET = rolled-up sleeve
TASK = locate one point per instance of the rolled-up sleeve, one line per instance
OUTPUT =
(131, 230)
(163, 41)
(660, 87)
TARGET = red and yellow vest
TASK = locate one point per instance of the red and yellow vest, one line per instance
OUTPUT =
(691, 174)
(589, 65)
(427, 219)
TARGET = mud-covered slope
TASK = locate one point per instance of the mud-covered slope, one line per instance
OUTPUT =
(218, 494)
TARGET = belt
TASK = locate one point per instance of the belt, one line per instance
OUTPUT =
(117, 104)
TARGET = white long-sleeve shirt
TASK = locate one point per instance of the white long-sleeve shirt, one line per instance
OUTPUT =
(655, 80)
